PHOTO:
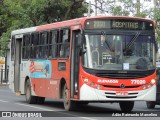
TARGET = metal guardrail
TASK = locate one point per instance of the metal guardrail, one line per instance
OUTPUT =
(4, 76)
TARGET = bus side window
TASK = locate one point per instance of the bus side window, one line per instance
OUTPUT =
(64, 45)
(34, 44)
(13, 48)
(26, 46)
(52, 44)
(66, 39)
(43, 49)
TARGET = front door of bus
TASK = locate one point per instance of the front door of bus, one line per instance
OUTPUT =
(17, 62)
(75, 63)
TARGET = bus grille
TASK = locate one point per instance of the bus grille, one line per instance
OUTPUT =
(109, 86)
(115, 97)
(109, 93)
(121, 75)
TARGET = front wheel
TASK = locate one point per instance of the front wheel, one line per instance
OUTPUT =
(29, 98)
(83, 102)
(68, 104)
(126, 106)
(151, 104)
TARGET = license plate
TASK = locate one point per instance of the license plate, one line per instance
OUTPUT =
(121, 93)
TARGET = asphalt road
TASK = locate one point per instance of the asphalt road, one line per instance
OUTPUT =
(54, 109)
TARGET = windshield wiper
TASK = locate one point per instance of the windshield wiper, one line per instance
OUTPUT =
(133, 40)
(108, 44)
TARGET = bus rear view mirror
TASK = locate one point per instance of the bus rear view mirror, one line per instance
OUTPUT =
(82, 51)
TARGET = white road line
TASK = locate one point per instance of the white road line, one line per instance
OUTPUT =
(3, 101)
(35, 107)
(87, 118)
(55, 111)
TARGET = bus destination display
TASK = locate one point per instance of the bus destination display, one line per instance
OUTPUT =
(118, 24)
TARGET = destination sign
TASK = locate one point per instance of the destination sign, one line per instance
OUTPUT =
(125, 25)
(128, 24)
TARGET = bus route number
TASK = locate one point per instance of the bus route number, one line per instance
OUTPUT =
(138, 82)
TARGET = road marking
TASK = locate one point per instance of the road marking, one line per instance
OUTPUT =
(55, 111)
(87, 118)
(34, 107)
(3, 101)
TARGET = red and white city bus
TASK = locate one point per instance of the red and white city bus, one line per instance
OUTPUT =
(90, 59)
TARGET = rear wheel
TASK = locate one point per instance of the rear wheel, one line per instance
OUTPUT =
(151, 104)
(68, 104)
(126, 106)
(29, 98)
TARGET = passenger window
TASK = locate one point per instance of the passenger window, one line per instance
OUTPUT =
(43, 48)
(52, 44)
(64, 43)
(34, 45)
(26, 46)
(13, 48)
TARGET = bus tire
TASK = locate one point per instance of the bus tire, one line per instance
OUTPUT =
(40, 100)
(150, 104)
(83, 102)
(126, 106)
(29, 98)
(69, 105)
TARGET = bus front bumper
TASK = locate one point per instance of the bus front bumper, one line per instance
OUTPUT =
(88, 93)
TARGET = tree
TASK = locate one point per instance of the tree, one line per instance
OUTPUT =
(124, 7)
(17, 14)
(156, 16)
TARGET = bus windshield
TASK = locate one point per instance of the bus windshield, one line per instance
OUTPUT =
(119, 52)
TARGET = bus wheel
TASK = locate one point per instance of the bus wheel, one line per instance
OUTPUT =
(68, 104)
(40, 100)
(29, 98)
(83, 102)
(126, 106)
(151, 104)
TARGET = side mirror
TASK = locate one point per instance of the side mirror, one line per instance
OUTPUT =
(82, 51)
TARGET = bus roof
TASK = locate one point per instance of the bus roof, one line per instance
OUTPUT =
(72, 22)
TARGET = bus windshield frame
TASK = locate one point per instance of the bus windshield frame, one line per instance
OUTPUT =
(133, 51)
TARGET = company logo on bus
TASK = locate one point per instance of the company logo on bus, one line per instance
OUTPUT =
(122, 86)
(107, 81)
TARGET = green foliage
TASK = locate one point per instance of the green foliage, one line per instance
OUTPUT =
(157, 18)
(124, 7)
(17, 14)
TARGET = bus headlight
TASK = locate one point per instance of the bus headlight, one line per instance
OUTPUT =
(153, 81)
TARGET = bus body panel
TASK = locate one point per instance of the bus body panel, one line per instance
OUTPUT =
(103, 87)
(24, 72)
(49, 87)
(88, 93)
